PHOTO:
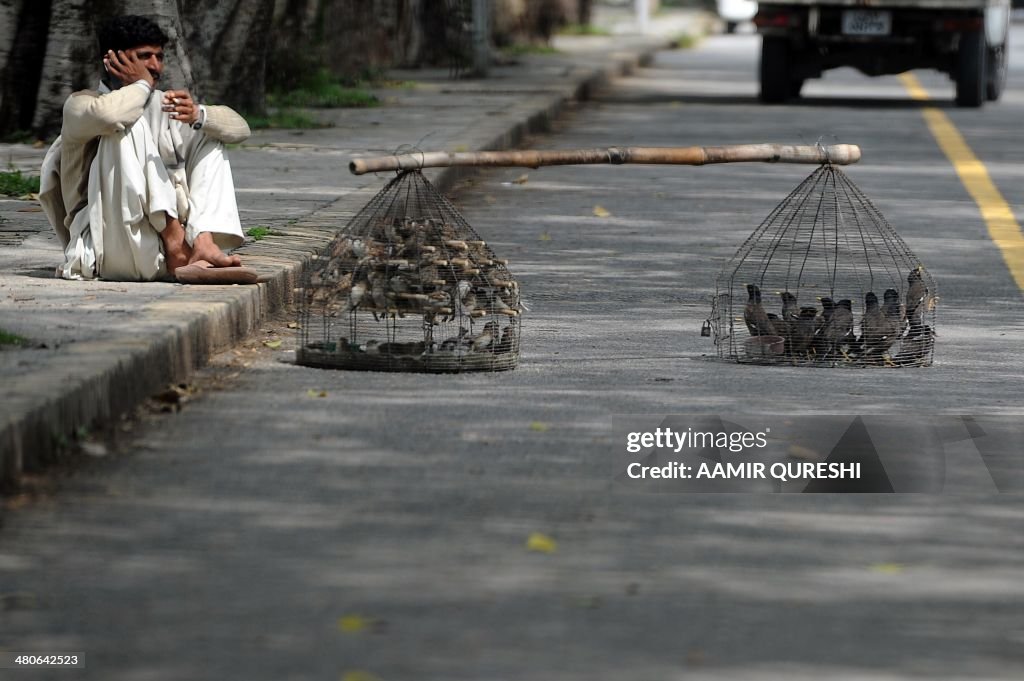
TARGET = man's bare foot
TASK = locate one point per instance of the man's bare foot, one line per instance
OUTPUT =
(204, 248)
(177, 252)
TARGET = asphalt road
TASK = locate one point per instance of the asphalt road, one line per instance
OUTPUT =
(380, 530)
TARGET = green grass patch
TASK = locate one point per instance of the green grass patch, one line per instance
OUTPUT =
(284, 118)
(395, 84)
(18, 137)
(521, 49)
(261, 232)
(8, 338)
(15, 183)
(320, 89)
(583, 29)
(685, 41)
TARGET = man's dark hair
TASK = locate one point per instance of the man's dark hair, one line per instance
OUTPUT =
(128, 31)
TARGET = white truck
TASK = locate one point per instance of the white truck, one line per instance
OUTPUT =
(966, 39)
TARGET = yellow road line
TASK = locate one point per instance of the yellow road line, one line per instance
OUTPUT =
(1003, 227)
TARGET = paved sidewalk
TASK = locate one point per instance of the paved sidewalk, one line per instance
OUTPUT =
(97, 348)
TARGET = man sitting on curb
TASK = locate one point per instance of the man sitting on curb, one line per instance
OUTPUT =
(137, 186)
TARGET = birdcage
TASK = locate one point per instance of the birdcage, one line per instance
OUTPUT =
(409, 286)
(825, 281)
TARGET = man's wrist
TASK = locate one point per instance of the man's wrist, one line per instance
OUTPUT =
(200, 120)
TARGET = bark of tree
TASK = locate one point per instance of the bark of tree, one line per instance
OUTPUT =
(23, 27)
(228, 43)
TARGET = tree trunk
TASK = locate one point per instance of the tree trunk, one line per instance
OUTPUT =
(228, 41)
(22, 46)
(73, 61)
(69, 63)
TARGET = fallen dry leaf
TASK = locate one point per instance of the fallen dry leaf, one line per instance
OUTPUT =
(273, 345)
(544, 236)
(293, 325)
(602, 212)
(353, 624)
(541, 543)
(522, 179)
(316, 393)
(539, 427)
(359, 675)
(887, 568)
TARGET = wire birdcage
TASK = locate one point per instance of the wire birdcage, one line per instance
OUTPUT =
(825, 281)
(408, 285)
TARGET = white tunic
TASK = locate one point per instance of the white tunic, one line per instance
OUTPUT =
(122, 166)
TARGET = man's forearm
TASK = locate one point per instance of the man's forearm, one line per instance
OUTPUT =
(224, 124)
(88, 115)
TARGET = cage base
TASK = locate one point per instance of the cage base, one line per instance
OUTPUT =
(433, 363)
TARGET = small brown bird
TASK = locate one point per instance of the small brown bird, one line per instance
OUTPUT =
(790, 314)
(803, 331)
(838, 331)
(917, 295)
(877, 331)
(757, 320)
(487, 339)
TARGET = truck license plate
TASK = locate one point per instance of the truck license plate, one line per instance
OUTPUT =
(866, 22)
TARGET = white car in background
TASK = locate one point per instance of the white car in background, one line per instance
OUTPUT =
(735, 12)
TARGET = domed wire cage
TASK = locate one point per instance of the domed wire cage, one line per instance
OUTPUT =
(408, 285)
(825, 281)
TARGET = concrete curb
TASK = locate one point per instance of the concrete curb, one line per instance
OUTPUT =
(71, 394)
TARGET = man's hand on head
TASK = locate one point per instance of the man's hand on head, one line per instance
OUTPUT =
(127, 67)
(180, 106)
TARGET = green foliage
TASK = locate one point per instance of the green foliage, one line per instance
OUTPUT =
(583, 29)
(258, 232)
(685, 41)
(321, 89)
(284, 118)
(8, 338)
(14, 183)
(18, 137)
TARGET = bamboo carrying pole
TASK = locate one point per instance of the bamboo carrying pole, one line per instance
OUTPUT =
(839, 154)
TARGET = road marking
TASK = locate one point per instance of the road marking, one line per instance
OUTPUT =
(1003, 227)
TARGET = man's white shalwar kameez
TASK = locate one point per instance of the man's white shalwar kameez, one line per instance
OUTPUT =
(121, 167)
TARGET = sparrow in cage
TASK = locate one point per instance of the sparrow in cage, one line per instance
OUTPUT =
(450, 344)
(487, 338)
(877, 331)
(508, 339)
(917, 295)
(790, 309)
(355, 296)
(398, 284)
(378, 292)
(893, 310)
(757, 320)
(464, 299)
(358, 247)
(803, 330)
(837, 326)
(790, 313)
(828, 307)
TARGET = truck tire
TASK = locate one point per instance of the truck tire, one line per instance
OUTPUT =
(996, 81)
(970, 70)
(774, 71)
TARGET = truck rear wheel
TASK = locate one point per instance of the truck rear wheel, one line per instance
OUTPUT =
(971, 82)
(996, 81)
(774, 72)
